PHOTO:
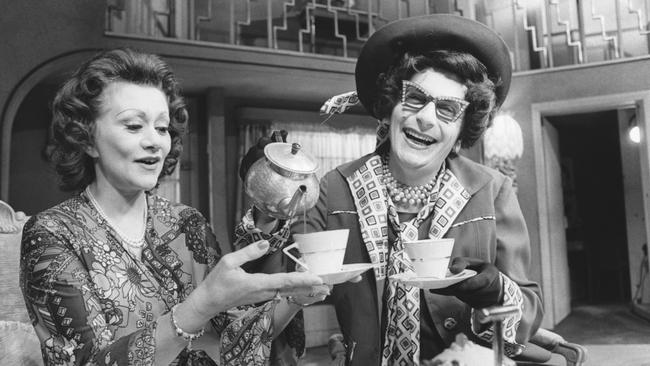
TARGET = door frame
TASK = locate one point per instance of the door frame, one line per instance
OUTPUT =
(641, 101)
(558, 253)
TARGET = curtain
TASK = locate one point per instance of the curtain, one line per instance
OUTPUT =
(331, 147)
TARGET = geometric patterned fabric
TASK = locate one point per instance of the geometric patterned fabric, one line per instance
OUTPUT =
(511, 296)
(247, 233)
(92, 302)
(377, 211)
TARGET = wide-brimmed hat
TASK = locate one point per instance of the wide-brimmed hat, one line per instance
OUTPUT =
(426, 33)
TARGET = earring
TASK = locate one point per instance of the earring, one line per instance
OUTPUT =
(456, 147)
(383, 129)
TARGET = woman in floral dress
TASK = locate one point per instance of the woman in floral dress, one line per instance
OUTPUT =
(116, 275)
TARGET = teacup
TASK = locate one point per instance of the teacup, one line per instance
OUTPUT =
(321, 252)
(430, 257)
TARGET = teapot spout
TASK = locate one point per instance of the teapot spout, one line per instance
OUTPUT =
(291, 207)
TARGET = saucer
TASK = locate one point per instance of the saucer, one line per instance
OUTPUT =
(347, 272)
(432, 283)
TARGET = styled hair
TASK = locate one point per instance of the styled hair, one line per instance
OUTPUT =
(465, 67)
(78, 104)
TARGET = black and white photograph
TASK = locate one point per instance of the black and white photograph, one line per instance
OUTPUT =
(325, 182)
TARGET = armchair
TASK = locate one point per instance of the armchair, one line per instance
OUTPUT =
(544, 343)
(19, 344)
(539, 351)
(541, 346)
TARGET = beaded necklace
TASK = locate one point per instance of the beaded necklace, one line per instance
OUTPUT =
(133, 243)
(407, 198)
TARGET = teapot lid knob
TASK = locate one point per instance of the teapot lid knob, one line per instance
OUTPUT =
(290, 157)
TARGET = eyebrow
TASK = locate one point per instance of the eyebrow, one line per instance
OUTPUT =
(421, 89)
(141, 114)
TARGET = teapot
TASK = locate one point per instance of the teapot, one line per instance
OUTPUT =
(284, 182)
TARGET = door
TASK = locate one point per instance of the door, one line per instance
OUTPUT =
(561, 291)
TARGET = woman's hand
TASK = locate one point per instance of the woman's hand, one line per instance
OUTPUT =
(256, 152)
(480, 291)
(314, 297)
(228, 286)
(311, 298)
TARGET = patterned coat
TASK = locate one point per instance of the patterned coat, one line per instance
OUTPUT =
(91, 302)
(489, 227)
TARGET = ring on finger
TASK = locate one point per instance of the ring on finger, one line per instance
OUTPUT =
(277, 296)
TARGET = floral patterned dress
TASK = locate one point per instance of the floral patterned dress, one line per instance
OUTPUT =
(91, 302)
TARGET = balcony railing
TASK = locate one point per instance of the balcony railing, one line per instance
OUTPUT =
(540, 33)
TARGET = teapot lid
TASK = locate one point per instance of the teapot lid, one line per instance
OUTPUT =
(290, 157)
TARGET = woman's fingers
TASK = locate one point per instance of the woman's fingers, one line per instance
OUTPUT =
(356, 279)
(287, 281)
(239, 287)
(246, 254)
(313, 291)
(305, 296)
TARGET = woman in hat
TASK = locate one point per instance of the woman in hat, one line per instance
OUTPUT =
(117, 275)
(434, 84)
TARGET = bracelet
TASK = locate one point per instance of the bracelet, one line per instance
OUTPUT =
(292, 300)
(189, 337)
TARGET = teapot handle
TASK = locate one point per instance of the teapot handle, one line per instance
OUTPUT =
(298, 261)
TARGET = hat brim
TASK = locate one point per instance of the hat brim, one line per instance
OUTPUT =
(426, 33)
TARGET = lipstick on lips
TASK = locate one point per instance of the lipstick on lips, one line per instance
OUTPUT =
(150, 160)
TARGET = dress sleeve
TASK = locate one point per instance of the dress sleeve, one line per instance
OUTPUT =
(245, 332)
(246, 232)
(513, 259)
(70, 321)
(275, 261)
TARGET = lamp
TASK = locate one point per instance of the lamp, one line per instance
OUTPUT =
(633, 132)
(503, 144)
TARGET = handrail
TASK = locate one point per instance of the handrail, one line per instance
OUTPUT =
(542, 34)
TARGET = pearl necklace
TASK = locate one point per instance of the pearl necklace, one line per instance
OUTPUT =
(407, 197)
(133, 243)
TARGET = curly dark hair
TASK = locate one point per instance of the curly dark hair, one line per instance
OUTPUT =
(469, 71)
(78, 103)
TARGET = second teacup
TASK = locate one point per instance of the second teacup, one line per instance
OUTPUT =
(430, 257)
(321, 252)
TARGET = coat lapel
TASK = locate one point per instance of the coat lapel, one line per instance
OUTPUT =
(460, 182)
(370, 200)
(452, 197)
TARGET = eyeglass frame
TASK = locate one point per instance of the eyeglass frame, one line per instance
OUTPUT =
(429, 98)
